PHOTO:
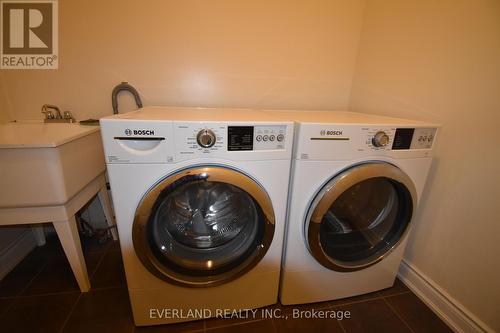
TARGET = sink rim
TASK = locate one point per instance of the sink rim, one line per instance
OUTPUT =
(30, 134)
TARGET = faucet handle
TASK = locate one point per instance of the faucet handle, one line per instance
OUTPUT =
(48, 114)
(68, 115)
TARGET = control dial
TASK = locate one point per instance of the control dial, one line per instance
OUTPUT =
(381, 139)
(206, 138)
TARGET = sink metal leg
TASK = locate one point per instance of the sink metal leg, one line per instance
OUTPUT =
(67, 231)
(108, 211)
(39, 235)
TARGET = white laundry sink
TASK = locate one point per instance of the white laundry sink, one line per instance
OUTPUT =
(47, 164)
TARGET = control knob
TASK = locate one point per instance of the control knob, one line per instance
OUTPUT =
(380, 139)
(206, 138)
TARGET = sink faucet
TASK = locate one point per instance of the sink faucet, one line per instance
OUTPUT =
(49, 114)
(50, 117)
(127, 87)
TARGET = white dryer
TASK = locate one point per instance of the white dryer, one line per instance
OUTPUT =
(356, 183)
(200, 199)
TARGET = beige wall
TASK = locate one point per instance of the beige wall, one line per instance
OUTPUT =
(284, 54)
(440, 60)
(4, 103)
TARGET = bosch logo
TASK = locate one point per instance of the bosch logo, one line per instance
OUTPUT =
(144, 132)
(325, 132)
(129, 132)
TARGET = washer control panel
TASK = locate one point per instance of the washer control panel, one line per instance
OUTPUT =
(261, 137)
(209, 138)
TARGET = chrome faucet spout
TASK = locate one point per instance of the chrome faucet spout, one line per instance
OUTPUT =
(48, 114)
(124, 86)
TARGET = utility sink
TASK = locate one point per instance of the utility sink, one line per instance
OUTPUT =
(47, 164)
(48, 172)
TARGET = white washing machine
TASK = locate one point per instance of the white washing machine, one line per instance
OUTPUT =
(356, 183)
(200, 198)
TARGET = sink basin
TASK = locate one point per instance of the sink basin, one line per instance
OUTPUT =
(47, 164)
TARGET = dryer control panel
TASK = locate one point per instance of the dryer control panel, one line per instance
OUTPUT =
(379, 138)
(351, 141)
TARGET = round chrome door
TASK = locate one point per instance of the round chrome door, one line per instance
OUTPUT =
(360, 216)
(203, 226)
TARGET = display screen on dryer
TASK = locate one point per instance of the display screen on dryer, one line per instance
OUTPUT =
(402, 138)
(413, 138)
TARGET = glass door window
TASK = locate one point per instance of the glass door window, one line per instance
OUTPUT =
(203, 226)
(360, 215)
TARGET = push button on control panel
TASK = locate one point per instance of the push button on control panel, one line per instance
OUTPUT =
(269, 137)
(423, 138)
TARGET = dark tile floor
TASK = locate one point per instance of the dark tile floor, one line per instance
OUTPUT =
(41, 295)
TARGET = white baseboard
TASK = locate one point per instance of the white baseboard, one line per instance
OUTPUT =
(16, 251)
(446, 307)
